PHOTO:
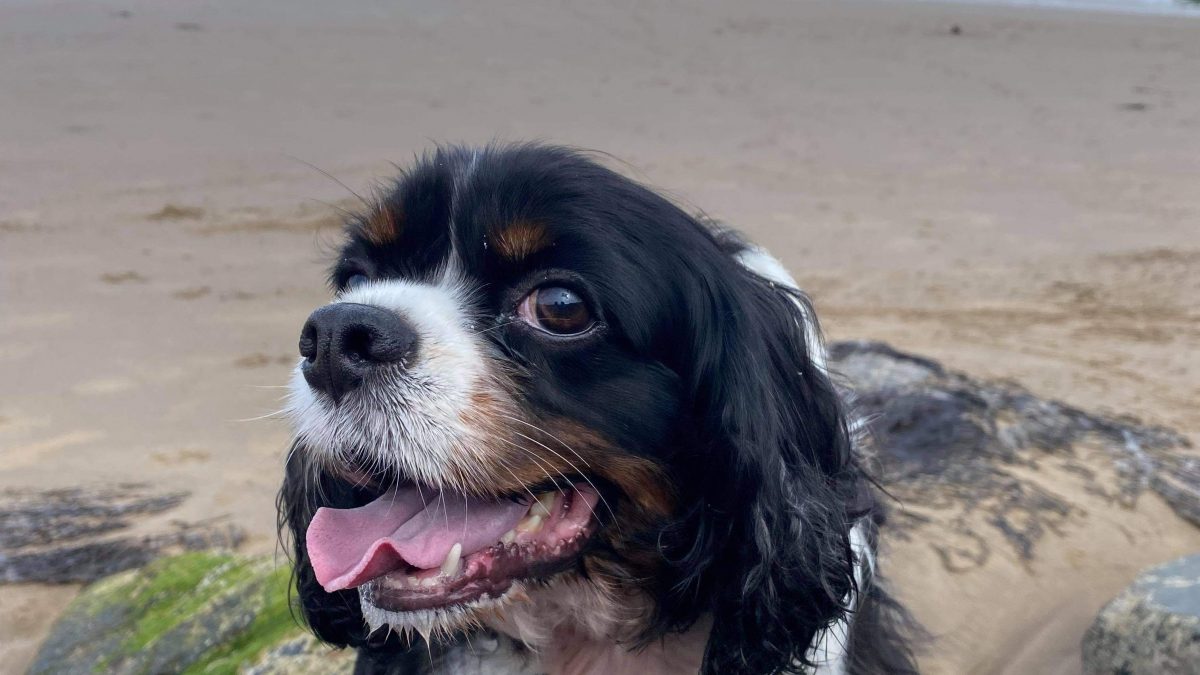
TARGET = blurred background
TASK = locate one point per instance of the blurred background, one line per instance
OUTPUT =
(1010, 189)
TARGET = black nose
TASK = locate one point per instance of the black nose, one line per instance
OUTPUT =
(342, 342)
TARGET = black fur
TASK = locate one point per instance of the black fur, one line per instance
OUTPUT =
(702, 366)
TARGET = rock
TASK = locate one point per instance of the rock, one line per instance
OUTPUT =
(1178, 481)
(1152, 627)
(959, 453)
(302, 655)
(195, 612)
(78, 534)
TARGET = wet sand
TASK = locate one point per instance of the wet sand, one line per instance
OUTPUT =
(1016, 197)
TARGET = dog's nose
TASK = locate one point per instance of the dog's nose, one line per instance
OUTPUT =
(342, 342)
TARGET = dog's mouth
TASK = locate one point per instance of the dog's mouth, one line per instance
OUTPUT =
(414, 548)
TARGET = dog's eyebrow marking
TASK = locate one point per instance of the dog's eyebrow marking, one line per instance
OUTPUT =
(521, 239)
(382, 225)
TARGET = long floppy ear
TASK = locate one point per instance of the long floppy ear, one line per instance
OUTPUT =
(334, 617)
(770, 535)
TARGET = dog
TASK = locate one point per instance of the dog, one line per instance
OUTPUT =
(552, 423)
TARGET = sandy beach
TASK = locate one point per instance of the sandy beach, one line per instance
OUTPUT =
(1012, 191)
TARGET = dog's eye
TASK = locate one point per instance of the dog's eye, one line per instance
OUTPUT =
(556, 310)
(356, 280)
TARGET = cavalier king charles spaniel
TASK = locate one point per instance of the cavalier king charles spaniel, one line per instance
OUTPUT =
(552, 423)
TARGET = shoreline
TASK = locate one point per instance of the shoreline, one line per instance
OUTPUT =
(1165, 8)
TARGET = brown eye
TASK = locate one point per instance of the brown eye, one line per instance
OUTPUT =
(556, 310)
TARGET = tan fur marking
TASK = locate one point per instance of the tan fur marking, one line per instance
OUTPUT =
(521, 239)
(382, 225)
(639, 478)
(526, 452)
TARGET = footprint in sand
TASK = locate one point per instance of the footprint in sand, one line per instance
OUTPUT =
(192, 293)
(128, 276)
(181, 456)
(177, 212)
(104, 385)
(259, 360)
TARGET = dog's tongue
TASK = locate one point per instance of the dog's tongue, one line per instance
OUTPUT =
(349, 547)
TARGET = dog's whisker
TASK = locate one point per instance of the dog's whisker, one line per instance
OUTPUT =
(533, 457)
(552, 436)
(518, 481)
(270, 415)
(333, 178)
(571, 464)
(576, 469)
(491, 328)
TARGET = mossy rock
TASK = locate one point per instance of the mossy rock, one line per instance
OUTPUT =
(191, 613)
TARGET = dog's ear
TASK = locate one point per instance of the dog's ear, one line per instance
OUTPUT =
(335, 618)
(768, 534)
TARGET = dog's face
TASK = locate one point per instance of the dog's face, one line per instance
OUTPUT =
(536, 372)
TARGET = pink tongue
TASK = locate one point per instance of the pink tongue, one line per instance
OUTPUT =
(349, 547)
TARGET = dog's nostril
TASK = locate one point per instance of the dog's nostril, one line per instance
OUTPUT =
(357, 342)
(308, 341)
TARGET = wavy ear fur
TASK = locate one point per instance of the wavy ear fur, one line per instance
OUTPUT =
(335, 618)
(769, 529)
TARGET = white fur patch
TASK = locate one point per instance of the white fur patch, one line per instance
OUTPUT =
(829, 649)
(594, 609)
(428, 622)
(480, 654)
(410, 416)
(765, 265)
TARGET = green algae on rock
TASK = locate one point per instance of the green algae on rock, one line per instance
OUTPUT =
(191, 613)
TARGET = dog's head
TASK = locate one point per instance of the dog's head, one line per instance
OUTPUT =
(538, 375)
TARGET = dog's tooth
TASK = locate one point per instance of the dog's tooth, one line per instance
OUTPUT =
(452, 563)
(429, 582)
(412, 581)
(530, 524)
(509, 537)
(544, 506)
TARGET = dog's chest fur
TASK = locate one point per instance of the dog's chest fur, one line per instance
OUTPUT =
(573, 627)
(496, 654)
